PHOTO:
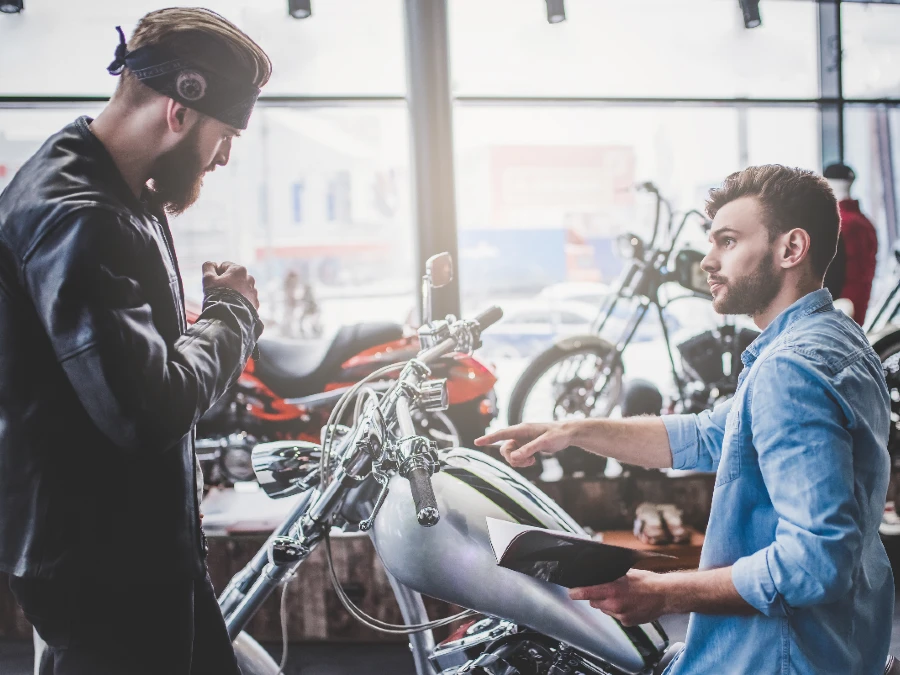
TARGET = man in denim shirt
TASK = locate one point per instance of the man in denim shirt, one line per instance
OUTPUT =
(793, 576)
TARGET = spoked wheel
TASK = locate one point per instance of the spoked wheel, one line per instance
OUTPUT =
(569, 381)
(890, 363)
(566, 383)
(438, 427)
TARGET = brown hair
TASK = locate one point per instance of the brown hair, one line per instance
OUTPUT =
(199, 35)
(790, 198)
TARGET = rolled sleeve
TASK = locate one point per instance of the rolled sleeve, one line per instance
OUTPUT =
(696, 440)
(683, 440)
(753, 581)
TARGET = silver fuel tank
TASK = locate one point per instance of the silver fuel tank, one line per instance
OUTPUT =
(453, 561)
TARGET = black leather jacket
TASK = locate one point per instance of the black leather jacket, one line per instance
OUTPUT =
(101, 380)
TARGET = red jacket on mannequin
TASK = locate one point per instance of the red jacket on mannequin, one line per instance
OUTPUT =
(858, 247)
(861, 244)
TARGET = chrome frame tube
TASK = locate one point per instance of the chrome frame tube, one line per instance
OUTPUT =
(412, 608)
(237, 588)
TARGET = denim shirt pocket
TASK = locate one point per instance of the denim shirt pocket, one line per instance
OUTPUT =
(730, 460)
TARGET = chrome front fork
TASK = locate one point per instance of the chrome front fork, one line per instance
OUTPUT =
(250, 588)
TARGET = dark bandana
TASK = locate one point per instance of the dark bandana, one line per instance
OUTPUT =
(158, 67)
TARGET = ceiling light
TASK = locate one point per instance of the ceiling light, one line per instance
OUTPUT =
(750, 9)
(556, 11)
(300, 9)
(11, 6)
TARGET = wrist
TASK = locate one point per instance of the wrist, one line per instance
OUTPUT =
(569, 432)
(673, 589)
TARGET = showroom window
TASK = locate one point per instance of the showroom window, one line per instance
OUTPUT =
(319, 184)
(555, 125)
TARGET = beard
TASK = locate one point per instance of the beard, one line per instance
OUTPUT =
(750, 294)
(177, 176)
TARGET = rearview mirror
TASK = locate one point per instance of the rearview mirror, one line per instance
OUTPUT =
(439, 269)
(689, 274)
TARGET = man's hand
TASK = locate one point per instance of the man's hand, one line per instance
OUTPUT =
(230, 275)
(522, 441)
(638, 597)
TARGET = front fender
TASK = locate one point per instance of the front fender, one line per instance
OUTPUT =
(576, 342)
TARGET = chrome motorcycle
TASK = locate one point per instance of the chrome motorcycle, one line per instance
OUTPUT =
(425, 510)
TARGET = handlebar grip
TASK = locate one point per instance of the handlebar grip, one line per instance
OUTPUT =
(423, 495)
(489, 317)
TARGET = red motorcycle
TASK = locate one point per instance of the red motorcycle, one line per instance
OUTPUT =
(290, 391)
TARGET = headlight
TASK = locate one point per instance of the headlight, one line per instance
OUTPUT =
(630, 246)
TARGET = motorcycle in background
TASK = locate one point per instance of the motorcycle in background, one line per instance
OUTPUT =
(289, 392)
(883, 332)
(582, 376)
(425, 510)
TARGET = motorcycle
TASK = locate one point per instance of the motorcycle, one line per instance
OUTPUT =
(289, 390)
(425, 511)
(585, 373)
(883, 332)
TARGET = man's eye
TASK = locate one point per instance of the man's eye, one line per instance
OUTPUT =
(729, 241)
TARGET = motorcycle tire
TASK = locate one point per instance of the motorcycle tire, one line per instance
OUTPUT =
(889, 355)
(571, 459)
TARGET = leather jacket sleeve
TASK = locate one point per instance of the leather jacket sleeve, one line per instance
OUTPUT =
(87, 277)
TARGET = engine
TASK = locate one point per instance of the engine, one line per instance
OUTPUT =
(490, 646)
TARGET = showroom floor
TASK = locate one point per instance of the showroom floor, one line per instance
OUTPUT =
(350, 659)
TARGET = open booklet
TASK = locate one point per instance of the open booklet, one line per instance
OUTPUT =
(570, 560)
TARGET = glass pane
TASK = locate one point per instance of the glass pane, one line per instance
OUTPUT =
(648, 48)
(320, 193)
(871, 65)
(872, 148)
(328, 54)
(543, 192)
(788, 136)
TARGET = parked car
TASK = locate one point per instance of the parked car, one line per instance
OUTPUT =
(537, 324)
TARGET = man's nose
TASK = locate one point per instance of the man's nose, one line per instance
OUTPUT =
(224, 154)
(709, 264)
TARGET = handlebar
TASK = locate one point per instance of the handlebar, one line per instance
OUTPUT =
(423, 495)
(419, 475)
(488, 317)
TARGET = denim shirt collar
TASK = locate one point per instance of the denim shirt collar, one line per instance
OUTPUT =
(812, 302)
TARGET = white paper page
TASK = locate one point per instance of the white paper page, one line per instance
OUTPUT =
(502, 533)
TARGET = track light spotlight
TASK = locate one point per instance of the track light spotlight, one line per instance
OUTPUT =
(12, 6)
(556, 11)
(300, 9)
(750, 9)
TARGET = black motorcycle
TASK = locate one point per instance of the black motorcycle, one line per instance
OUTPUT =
(584, 374)
(883, 332)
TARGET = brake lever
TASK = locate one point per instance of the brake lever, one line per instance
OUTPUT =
(383, 479)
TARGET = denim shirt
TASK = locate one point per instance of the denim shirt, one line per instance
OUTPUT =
(801, 462)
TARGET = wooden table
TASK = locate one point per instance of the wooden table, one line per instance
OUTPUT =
(686, 556)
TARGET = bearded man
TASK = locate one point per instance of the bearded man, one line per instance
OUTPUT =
(793, 575)
(103, 381)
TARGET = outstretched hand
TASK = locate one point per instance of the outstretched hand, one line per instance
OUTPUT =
(522, 441)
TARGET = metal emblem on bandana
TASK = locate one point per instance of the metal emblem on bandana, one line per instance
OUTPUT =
(191, 85)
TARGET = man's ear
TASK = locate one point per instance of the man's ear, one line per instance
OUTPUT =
(178, 116)
(793, 248)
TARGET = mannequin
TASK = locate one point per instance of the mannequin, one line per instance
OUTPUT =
(841, 188)
(853, 269)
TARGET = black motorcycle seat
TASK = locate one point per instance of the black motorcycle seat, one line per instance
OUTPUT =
(294, 368)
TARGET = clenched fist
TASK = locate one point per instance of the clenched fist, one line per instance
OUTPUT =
(230, 275)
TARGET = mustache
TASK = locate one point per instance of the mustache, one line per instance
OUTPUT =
(712, 279)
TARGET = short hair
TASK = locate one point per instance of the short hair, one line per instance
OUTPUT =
(202, 37)
(790, 198)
